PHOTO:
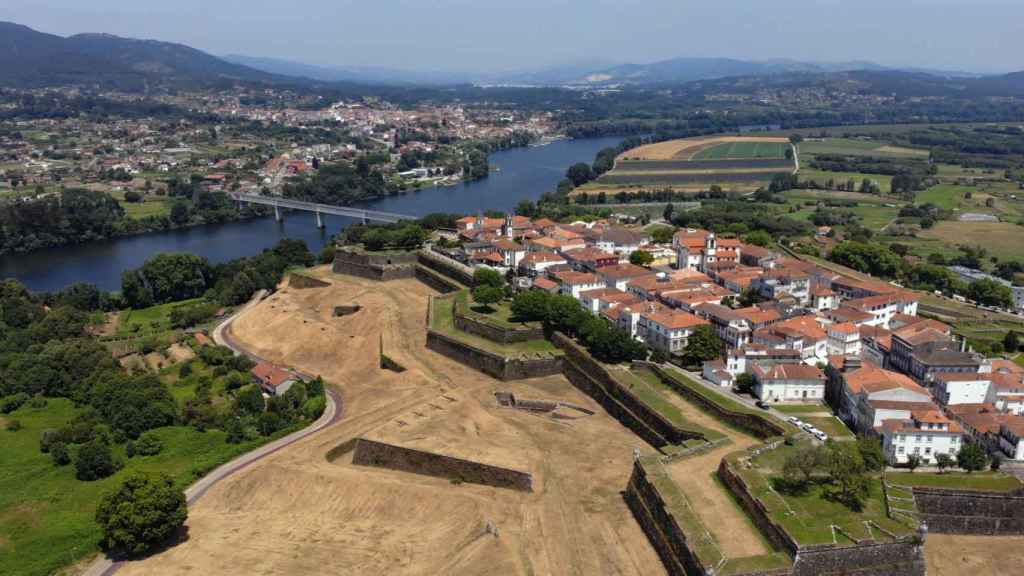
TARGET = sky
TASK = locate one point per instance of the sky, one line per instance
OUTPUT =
(482, 36)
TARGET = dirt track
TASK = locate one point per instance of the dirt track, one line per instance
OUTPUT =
(296, 513)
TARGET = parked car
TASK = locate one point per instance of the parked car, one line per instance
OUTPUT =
(761, 404)
(820, 435)
(794, 421)
(807, 427)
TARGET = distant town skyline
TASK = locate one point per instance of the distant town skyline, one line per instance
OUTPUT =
(482, 36)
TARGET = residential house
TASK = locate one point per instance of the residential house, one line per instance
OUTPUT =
(273, 379)
(844, 339)
(534, 264)
(1011, 434)
(926, 434)
(669, 330)
(590, 258)
(952, 388)
(789, 383)
(573, 283)
(619, 276)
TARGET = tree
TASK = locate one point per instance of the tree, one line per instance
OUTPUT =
(531, 306)
(758, 238)
(249, 400)
(943, 461)
(487, 295)
(913, 461)
(872, 453)
(488, 277)
(997, 462)
(1011, 342)
(972, 457)
(142, 513)
(745, 382)
(804, 462)
(668, 212)
(702, 345)
(662, 234)
(148, 444)
(579, 174)
(847, 472)
(990, 293)
(874, 259)
(179, 212)
(95, 461)
(60, 455)
(641, 258)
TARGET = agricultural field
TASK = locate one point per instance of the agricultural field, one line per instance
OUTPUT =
(855, 147)
(822, 177)
(149, 206)
(735, 163)
(1002, 239)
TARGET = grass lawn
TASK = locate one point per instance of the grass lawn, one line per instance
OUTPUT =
(153, 319)
(944, 196)
(652, 391)
(830, 425)
(801, 408)
(150, 206)
(1002, 239)
(851, 147)
(810, 514)
(743, 150)
(501, 316)
(988, 481)
(46, 515)
(442, 319)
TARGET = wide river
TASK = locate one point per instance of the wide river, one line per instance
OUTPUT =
(523, 173)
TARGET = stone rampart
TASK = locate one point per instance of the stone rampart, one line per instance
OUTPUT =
(500, 367)
(381, 455)
(302, 281)
(970, 512)
(501, 334)
(660, 526)
(881, 559)
(775, 533)
(439, 282)
(383, 267)
(447, 266)
(650, 417)
(756, 424)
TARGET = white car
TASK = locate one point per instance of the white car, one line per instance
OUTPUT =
(820, 435)
(794, 421)
(808, 427)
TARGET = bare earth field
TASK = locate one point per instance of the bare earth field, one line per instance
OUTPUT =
(949, 555)
(687, 149)
(296, 513)
(695, 476)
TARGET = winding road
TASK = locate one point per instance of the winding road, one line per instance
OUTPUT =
(105, 566)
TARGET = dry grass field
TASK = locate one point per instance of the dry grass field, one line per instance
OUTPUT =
(1001, 239)
(297, 513)
(688, 148)
(950, 555)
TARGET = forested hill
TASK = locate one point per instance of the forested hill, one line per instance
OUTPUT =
(29, 58)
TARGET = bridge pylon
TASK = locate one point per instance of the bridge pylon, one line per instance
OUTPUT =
(277, 213)
(319, 220)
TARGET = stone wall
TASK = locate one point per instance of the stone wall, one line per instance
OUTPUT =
(650, 417)
(346, 309)
(660, 526)
(438, 282)
(884, 559)
(756, 424)
(451, 268)
(383, 267)
(968, 512)
(775, 533)
(500, 367)
(500, 334)
(301, 281)
(381, 455)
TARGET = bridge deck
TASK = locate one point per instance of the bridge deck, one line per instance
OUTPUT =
(359, 213)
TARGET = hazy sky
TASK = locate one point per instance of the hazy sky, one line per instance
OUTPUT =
(486, 35)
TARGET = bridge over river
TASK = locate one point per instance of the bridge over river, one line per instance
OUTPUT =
(319, 209)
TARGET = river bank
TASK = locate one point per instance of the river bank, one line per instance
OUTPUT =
(525, 174)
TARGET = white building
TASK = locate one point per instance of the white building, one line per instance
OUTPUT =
(668, 330)
(925, 434)
(1011, 434)
(952, 388)
(844, 339)
(789, 383)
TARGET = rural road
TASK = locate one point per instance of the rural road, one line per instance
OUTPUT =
(105, 566)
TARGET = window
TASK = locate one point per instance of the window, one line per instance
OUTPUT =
(917, 449)
(899, 450)
(927, 450)
(929, 438)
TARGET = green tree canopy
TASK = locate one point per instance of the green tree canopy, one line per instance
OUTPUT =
(703, 345)
(143, 513)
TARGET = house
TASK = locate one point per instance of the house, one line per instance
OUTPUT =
(714, 371)
(926, 434)
(824, 299)
(776, 284)
(535, 263)
(729, 325)
(867, 395)
(952, 388)
(1011, 432)
(741, 360)
(844, 339)
(668, 330)
(589, 259)
(573, 283)
(803, 333)
(512, 253)
(273, 379)
(1009, 391)
(620, 241)
(603, 298)
(752, 255)
(619, 276)
(695, 249)
(545, 284)
(789, 383)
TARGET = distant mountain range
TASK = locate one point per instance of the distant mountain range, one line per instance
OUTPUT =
(29, 58)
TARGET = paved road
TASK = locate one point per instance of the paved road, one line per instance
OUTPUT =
(105, 566)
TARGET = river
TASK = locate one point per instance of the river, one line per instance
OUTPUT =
(522, 173)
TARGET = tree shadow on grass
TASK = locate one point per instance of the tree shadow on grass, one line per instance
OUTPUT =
(180, 536)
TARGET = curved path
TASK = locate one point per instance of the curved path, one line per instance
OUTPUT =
(105, 566)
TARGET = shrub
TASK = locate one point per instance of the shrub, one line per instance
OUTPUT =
(60, 455)
(142, 513)
(37, 402)
(13, 425)
(148, 444)
(47, 439)
(185, 371)
(313, 407)
(95, 461)
(11, 403)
